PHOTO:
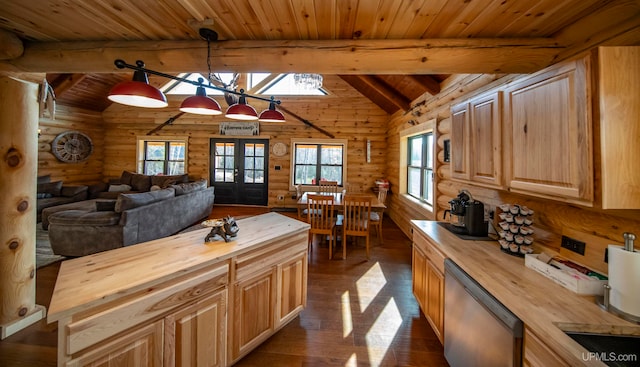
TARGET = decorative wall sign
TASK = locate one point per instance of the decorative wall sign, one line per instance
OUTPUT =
(240, 128)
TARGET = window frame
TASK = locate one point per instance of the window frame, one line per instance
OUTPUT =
(318, 142)
(406, 135)
(141, 151)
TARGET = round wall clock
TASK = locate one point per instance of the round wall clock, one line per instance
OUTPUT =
(279, 149)
(72, 146)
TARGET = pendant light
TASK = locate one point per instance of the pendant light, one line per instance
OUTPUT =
(241, 110)
(271, 114)
(200, 104)
(138, 92)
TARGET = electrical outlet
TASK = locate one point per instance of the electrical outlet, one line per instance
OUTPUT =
(573, 245)
(280, 197)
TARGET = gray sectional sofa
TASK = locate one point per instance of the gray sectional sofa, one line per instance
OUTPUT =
(130, 219)
(56, 193)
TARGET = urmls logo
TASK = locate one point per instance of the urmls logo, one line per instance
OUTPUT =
(609, 357)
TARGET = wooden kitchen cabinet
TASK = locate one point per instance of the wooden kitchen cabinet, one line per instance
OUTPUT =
(549, 135)
(196, 335)
(427, 273)
(141, 347)
(537, 353)
(618, 124)
(476, 140)
(292, 288)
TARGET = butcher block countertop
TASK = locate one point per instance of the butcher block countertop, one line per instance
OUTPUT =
(101, 278)
(539, 302)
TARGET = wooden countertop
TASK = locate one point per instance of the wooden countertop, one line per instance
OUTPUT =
(97, 279)
(539, 302)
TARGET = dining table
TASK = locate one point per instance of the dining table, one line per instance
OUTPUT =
(376, 205)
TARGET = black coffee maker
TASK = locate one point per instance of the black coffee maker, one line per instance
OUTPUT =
(470, 215)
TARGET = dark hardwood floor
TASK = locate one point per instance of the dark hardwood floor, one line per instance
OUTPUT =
(359, 312)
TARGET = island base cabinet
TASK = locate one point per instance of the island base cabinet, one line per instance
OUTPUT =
(196, 336)
(537, 354)
(142, 347)
(292, 288)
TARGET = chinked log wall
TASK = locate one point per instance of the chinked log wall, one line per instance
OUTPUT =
(551, 216)
(344, 113)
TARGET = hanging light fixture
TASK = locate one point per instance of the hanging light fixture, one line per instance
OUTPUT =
(138, 92)
(200, 104)
(308, 81)
(271, 114)
(241, 110)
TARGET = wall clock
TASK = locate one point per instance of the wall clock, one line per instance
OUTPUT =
(72, 146)
(279, 149)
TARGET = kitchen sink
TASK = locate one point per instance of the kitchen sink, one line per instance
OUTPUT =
(614, 348)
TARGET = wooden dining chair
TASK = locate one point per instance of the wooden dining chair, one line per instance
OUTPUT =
(376, 216)
(355, 219)
(328, 187)
(302, 211)
(320, 211)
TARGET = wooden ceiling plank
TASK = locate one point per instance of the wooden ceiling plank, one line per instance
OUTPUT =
(65, 82)
(428, 82)
(347, 11)
(460, 19)
(385, 17)
(305, 18)
(435, 56)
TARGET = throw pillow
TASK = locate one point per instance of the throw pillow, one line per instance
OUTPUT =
(140, 182)
(105, 205)
(166, 181)
(119, 188)
(130, 201)
(125, 177)
(155, 188)
(52, 188)
(185, 188)
(44, 179)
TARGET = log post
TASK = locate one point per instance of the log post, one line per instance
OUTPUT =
(18, 170)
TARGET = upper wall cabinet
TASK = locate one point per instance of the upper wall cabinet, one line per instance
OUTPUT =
(548, 135)
(476, 140)
(618, 122)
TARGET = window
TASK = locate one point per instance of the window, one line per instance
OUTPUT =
(314, 161)
(420, 167)
(160, 156)
(417, 162)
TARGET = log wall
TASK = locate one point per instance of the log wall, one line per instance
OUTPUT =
(344, 113)
(70, 118)
(551, 217)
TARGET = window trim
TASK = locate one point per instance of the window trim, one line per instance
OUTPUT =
(292, 155)
(424, 128)
(140, 143)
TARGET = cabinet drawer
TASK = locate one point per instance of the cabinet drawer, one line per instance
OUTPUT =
(96, 325)
(430, 250)
(253, 262)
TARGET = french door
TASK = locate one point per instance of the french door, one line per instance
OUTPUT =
(239, 171)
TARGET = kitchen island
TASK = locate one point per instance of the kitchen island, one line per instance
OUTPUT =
(179, 301)
(545, 307)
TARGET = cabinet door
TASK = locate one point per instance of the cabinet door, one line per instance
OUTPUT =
(137, 348)
(435, 299)
(292, 288)
(538, 354)
(254, 310)
(459, 141)
(485, 157)
(196, 336)
(418, 276)
(549, 130)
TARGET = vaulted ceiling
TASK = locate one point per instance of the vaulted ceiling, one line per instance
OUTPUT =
(392, 51)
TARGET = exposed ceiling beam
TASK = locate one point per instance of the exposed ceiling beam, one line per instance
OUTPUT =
(430, 56)
(385, 91)
(11, 46)
(427, 81)
(65, 82)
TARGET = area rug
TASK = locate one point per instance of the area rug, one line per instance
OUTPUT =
(44, 253)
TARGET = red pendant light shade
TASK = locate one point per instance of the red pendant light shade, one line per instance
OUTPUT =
(241, 110)
(271, 114)
(138, 92)
(200, 104)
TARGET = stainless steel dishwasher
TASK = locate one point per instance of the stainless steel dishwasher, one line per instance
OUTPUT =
(478, 329)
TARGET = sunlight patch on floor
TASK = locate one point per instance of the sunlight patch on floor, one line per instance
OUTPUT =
(369, 285)
(383, 332)
(347, 322)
